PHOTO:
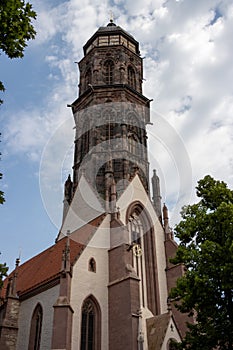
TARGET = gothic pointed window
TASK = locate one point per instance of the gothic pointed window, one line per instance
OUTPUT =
(92, 265)
(135, 228)
(90, 325)
(36, 326)
(131, 77)
(108, 72)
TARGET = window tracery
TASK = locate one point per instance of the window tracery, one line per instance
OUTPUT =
(90, 326)
(141, 231)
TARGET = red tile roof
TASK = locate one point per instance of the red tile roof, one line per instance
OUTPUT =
(46, 266)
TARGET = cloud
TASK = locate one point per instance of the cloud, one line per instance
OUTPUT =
(188, 70)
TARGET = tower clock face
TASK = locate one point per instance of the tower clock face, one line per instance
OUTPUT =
(137, 250)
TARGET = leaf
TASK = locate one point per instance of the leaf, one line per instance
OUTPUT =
(206, 249)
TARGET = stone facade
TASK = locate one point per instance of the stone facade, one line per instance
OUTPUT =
(9, 314)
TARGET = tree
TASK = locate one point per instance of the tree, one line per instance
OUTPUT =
(3, 273)
(16, 28)
(206, 249)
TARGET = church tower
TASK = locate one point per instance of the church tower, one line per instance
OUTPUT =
(104, 284)
(111, 113)
(111, 156)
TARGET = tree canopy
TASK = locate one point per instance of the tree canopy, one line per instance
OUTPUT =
(206, 249)
(16, 28)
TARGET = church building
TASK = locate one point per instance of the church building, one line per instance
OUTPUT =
(104, 284)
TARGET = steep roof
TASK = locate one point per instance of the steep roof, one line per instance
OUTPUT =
(46, 266)
(156, 330)
(43, 267)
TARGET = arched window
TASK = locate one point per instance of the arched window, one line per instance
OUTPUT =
(135, 228)
(92, 265)
(91, 325)
(131, 77)
(87, 78)
(36, 326)
(108, 72)
(141, 231)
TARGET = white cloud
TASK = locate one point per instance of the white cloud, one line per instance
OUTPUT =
(188, 70)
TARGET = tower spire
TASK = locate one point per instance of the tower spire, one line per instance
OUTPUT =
(167, 228)
(156, 194)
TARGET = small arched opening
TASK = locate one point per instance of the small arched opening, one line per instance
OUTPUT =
(92, 265)
(36, 327)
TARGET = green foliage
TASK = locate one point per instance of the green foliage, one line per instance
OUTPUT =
(206, 250)
(16, 28)
(3, 273)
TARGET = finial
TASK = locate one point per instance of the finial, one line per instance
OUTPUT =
(66, 256)
(17, 262)
(111, 16)
(118, 212)
(111, 23)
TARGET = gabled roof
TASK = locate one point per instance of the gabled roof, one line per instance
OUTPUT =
(46, 266)
(156, 330)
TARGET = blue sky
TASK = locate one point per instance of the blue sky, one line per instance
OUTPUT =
(188, 71)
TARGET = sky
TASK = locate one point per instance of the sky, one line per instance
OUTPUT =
(187, 53)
